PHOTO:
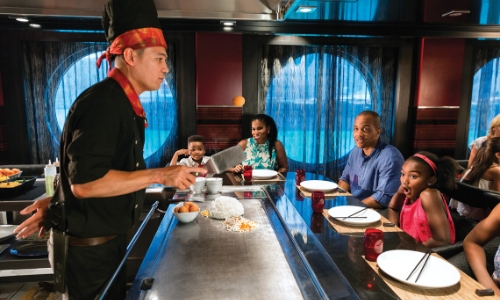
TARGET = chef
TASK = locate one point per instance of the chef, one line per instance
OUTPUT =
(103, 173)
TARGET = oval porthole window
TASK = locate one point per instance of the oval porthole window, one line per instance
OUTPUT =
(295, 89)
(160, 105)
(485, 100)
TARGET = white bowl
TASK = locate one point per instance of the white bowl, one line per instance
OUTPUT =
(198, 185)
(213, 185)
(186, 217)
(213, 180)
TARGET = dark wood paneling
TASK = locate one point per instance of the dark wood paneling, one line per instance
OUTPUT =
(436, 130)
(220, 126)
(462, 149)
(186, 84)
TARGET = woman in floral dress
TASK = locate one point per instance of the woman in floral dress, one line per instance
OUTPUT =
(263, 150)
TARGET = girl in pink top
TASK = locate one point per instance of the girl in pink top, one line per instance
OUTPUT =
(419, 207)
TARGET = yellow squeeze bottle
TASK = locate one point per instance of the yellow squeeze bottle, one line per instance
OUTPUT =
(50, 173)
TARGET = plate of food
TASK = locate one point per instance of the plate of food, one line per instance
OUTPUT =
(354, 215)
(436, 273)
(263, 174)
(319, 185)
(7, 174)
(15, 186)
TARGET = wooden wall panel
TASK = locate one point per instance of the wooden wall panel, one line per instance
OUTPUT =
(220, 126)
(435, 130)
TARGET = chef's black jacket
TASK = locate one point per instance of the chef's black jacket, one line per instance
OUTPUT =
(101, 133)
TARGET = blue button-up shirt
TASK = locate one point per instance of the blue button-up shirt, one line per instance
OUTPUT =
(376, 175)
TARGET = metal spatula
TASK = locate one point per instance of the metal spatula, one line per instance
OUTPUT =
(227, 158)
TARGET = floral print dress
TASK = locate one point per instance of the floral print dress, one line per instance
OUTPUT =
(257, 156)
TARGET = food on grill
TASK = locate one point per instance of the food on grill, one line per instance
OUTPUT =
(239, 224)
(225, 207)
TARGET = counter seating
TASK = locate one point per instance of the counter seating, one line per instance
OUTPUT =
(472, 196)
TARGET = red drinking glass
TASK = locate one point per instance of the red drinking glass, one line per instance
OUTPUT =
(318, 201)
(373, 243)
(247, 173)
(300, 175)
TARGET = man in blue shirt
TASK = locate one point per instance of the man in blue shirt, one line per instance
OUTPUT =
(374, 167)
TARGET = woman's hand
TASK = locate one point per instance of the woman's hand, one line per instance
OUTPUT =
(36, 221)
(237, 169)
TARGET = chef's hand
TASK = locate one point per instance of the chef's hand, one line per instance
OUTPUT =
(35, 222)
(180, 176)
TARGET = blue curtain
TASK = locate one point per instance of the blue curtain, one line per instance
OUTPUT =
(485, 99)
(57, 72)
(314, 94)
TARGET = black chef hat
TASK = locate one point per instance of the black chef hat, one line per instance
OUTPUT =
(120, 16)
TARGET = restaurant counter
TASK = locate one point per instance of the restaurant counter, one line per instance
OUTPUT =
(202, 260)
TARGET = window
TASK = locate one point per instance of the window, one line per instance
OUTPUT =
(354, 92)
(55, 73)
(82, 74)
(485, 102)
(314, 93)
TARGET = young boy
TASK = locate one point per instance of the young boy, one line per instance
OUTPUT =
(195, 151)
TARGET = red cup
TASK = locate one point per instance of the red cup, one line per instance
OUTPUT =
(373, 243)
(318, 201)
(300, 175)
(247, 173)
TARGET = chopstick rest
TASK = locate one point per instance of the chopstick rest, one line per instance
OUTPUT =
(426, 257)
(485, 292)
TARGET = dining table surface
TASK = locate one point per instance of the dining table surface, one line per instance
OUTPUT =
(325, 258)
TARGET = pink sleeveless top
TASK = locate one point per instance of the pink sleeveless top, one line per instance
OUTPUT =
(413, 221)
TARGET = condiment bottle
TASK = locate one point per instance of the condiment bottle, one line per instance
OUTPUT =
(50, 173)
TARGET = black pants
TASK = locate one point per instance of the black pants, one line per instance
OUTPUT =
(90, 268)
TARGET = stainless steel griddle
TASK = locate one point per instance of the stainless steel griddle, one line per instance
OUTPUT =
(201, 260)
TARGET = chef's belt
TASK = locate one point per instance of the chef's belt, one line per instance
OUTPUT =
(93, 241)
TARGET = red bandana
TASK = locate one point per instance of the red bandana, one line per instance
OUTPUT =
(135, 39)
(127, 87)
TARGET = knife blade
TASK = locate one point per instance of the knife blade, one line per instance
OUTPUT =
(225, 159)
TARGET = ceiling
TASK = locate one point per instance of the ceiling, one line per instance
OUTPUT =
(394, 17)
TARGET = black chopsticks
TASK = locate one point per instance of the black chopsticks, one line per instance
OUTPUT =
(426, 257)
(359, 211)
(349, 217)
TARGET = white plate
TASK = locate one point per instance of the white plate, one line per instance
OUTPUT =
(263, 174)
(438, 273)
(319, 185)
(6, 231)
(346, 210)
